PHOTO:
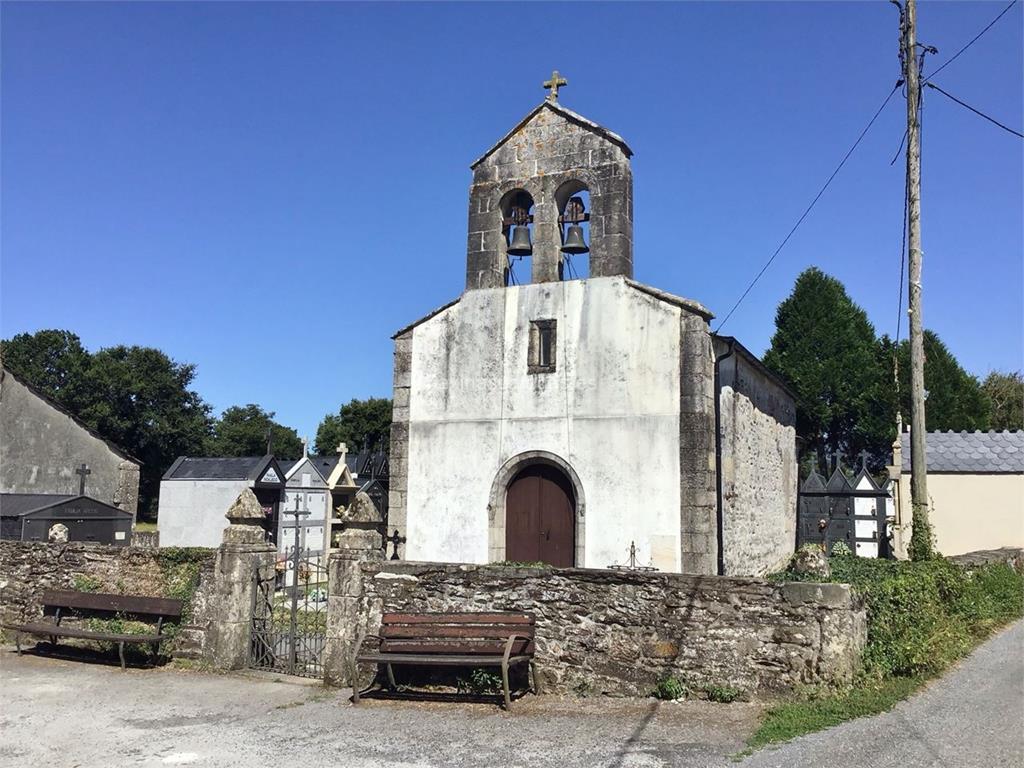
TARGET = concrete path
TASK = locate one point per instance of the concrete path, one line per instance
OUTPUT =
(68, 713)
(971, 718)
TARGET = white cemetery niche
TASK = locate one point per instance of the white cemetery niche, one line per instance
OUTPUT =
(863, 527)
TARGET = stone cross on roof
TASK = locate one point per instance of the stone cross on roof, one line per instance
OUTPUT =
(553, 84)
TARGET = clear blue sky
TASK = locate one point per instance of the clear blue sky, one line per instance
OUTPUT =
(271, 190)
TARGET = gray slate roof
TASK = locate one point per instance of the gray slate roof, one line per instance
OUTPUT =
(324, 464)
(971, 452)
(189, 468)
(17, 504)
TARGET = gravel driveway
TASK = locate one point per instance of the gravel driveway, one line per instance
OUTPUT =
(69, 713)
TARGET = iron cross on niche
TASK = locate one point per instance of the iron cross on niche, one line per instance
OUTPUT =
(82, 471)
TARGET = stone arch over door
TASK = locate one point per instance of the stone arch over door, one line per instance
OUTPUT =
(497, 504)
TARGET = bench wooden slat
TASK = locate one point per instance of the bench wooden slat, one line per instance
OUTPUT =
(455, 661)
(44, 629)
(449, 631)
(457, 618)
(108, 603)
(484, 647)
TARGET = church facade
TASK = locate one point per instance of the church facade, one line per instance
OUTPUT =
(571, 421)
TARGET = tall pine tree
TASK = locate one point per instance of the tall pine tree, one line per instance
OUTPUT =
(825, 348)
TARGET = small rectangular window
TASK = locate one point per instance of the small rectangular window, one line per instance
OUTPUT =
(541, 356)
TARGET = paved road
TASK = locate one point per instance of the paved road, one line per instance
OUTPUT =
(971, 718)
(67, 713)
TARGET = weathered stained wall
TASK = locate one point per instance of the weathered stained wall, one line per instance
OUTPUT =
(618, 633)
(192, 511)
(759, 472)
(610, 411)
(41, 446)
(27, 569)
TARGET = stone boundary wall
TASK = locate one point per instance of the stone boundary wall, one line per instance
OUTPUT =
(29, 568)
(617, 632)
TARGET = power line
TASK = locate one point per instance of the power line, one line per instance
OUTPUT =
(975, 111)
(971, 42)
(809, 207)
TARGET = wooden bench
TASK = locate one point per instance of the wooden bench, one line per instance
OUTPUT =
(60, 604)
(451, 639)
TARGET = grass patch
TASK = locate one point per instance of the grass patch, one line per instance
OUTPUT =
(792, 719)
(922, 617)
(145, 527)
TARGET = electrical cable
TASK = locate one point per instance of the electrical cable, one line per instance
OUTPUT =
(809, 207)
(971, 42)
(975, 111)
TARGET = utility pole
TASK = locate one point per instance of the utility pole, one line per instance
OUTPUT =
(921, 535)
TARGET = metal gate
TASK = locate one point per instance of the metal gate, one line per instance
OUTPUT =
(853, 512)
(289, 616)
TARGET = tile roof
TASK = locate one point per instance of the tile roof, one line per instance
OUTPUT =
(971, 452)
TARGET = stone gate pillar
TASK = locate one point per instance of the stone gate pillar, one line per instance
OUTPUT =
(244, 550)
(346, 615)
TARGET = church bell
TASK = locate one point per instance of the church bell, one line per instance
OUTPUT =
(520, 244)
(574, 242)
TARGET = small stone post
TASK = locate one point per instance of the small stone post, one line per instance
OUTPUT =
(243, 550)
(346, 618)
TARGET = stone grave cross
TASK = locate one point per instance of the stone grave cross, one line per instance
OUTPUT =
(82, 471)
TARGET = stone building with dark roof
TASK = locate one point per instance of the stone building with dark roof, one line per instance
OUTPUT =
(976, 489)
(43, 448)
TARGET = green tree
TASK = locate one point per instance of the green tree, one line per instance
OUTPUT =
(955, 398)
(53, 362)
(140, 399)
(361, 424)
(825, 348)
(242, 431)
(1005, 392)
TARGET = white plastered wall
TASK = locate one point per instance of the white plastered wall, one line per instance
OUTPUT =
(610, 411)
(191, 512)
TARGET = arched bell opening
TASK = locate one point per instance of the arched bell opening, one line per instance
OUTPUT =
(573, 201)
(517, 229)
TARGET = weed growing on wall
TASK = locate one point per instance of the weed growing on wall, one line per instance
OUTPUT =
(670, 688)
(85, 583)
(922, 616)
(181, 567)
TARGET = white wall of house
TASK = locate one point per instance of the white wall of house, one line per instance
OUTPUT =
(610, 411)
(191, 512)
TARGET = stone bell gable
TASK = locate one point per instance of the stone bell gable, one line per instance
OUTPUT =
(551, 155)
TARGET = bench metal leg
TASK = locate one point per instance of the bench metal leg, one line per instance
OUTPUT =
(533, 674)
(391, 678)
(17, 641)
(355, 682)
(504, 685)
(120, 652)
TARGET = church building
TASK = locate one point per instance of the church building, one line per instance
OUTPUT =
(561, 412)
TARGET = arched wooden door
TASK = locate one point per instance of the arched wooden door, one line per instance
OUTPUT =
(540, 517)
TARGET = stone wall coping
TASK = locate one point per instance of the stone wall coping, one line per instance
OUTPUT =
(796, 593)
(94, 546)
